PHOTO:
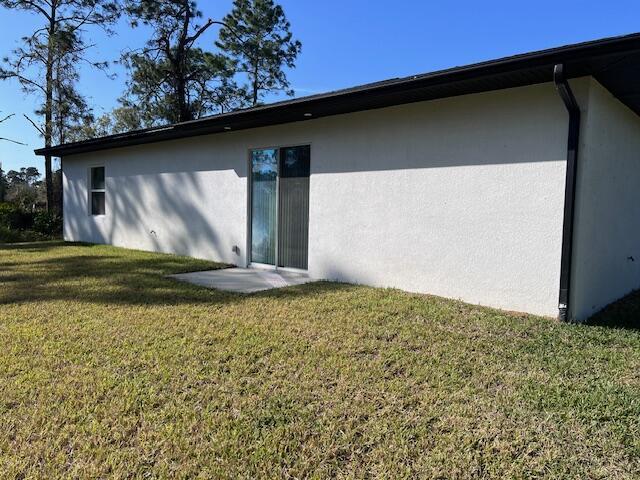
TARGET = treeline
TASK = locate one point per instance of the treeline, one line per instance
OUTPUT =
(22, 201)
(25, 189)
(176, 76)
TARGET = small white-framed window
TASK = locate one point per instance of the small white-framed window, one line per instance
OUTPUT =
(97, 191)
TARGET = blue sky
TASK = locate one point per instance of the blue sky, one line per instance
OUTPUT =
(350, 42)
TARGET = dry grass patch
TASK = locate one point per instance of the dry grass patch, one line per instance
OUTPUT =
(110, 370)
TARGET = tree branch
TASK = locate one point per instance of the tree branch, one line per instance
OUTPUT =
(37, 7)
(39, 129)
(199, 32)
(7, 117)
(22, 79)
(12, 141)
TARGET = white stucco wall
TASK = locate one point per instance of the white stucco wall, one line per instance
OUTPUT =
(186, 197)
(607, 224)
(459, 197)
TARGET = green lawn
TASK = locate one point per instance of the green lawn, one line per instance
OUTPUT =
(110, 370)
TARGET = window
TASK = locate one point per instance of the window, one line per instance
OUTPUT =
(97, 193)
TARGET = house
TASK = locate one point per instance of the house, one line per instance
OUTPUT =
(512, 183)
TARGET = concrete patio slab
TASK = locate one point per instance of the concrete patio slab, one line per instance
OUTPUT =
(243, 280)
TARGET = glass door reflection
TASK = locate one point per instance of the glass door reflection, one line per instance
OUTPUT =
(264, 205)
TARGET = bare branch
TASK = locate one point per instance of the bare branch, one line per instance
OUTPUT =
(230, 30)
(7, 117)
(200, 31)
(39, 129)
(12, 141)
(24, 79)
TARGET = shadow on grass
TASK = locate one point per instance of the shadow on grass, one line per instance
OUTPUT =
(625, 313)
(115, 276)
(37, 246)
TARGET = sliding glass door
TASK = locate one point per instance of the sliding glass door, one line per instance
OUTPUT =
(280, 206)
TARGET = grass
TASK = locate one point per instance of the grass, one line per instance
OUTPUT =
(110, 370)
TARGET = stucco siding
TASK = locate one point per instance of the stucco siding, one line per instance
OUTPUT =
(458, 197)
(606, 260)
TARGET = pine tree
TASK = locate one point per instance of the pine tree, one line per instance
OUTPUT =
(172, 79)
(257, 36)
(46, 63)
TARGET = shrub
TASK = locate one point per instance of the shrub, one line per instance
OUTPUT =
(18, 225)
(6, 212)
(49, 224)
(15, 218)
(8, 235)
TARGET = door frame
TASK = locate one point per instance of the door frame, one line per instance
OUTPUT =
(249, 262)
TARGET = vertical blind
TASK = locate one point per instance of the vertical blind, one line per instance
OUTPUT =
(264, 175)
(293, 218)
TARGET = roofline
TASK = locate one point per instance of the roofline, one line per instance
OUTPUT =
(289, 111)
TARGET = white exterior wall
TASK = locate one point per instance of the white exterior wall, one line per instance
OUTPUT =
(184, 197)
(607, 223)
(459, 197)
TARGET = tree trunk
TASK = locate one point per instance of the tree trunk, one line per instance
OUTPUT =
(48, 109)
(255, 85)
(49, 183)
(255, 94)
(184, 112)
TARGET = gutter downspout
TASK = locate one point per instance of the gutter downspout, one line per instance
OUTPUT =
(564, 89)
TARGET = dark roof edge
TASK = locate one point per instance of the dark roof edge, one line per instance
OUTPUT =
(268, 114)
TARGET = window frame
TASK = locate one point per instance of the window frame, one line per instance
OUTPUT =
(96, 190)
